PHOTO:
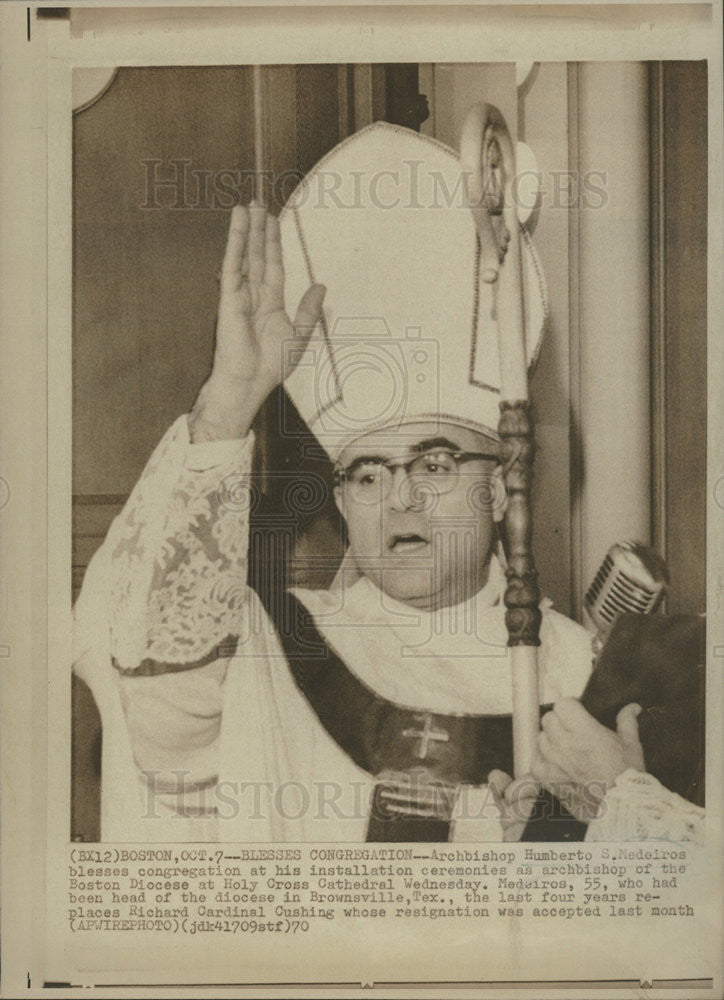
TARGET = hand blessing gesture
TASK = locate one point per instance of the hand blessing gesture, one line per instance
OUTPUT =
(254, 335)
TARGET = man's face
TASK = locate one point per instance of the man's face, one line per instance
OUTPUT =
(422, 535)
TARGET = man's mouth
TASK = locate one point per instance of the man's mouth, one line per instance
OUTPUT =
(407, 543)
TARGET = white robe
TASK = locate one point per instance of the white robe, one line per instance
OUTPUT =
(169, 584)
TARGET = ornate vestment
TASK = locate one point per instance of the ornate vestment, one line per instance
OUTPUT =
(232, 744)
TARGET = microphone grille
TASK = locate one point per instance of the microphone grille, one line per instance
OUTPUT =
(632, 579)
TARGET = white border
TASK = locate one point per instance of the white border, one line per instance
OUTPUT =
(377, 33)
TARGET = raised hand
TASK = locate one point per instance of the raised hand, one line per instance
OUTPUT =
(254, 334)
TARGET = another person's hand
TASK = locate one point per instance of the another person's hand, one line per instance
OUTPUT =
(254, 336)
(578, 759)
(515, 801)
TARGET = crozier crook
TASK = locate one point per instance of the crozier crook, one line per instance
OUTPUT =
(487, 163)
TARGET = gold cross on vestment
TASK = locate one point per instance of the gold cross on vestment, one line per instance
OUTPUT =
(426, 734)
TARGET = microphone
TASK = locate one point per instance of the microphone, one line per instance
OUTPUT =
(633, 578)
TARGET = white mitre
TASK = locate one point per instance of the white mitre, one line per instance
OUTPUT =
(407, 333)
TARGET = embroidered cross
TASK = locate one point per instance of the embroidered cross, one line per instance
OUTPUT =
(425, 735)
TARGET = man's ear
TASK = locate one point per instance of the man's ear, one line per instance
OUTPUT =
(339, 499)
(500, 501)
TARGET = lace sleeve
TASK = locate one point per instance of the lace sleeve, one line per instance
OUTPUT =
(178, 555)
(638, 807)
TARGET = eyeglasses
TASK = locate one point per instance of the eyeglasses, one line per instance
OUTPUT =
(369, 480)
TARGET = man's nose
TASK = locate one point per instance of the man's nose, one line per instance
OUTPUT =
(399, 495)
(405, 492)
